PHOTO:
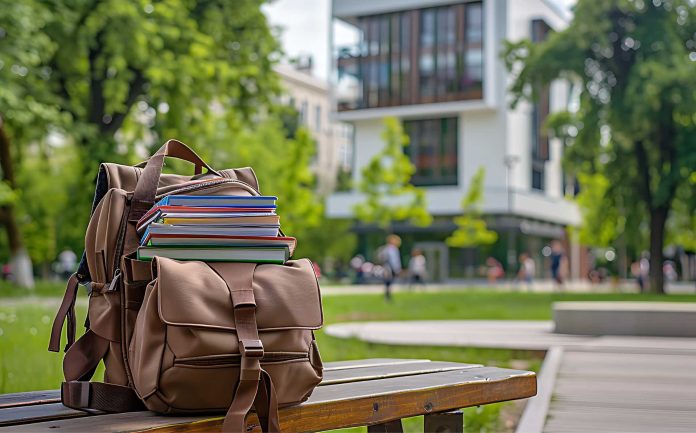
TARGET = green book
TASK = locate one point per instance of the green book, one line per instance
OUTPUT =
(277, 255)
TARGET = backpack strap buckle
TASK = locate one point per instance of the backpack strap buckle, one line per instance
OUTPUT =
(251, 348)
(75, 394)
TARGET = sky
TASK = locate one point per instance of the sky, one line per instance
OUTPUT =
(304, 27)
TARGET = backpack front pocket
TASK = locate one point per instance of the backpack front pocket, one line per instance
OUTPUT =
(185, 355)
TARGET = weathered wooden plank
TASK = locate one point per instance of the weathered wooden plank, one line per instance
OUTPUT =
(370, 371)
(36, 413)
(29, 398)
(340, 405)
(53, 396)
(383, 371)
(362, 363)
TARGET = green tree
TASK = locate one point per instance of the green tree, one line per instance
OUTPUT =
(110, 76)
(682, 225)
(633, 63)
(471, 229)
(27, 107)
(389, 195)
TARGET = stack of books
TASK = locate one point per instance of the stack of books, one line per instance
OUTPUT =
(214, 228)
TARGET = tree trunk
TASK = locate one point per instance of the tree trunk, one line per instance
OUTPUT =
(658, 218)
(20, 262)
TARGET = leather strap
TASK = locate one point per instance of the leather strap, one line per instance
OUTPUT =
(266, 398)
(66, 311)
(255, 387)
(79, 364)
(84, 356)
(146, 188)
(106, 397)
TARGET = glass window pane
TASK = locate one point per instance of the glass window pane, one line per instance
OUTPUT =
(427, 53)
(433, 150)
(474, 23)
(405, 72)
(317, 118)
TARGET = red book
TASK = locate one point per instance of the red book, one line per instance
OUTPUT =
(186, 211)
(205, 240)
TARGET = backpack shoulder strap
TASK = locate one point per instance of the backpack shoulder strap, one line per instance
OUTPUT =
(80, 362)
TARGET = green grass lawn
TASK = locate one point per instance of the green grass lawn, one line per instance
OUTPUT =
(26, 365)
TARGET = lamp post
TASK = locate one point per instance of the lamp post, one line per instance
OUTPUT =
(510, 161)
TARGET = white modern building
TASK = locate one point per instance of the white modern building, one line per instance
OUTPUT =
(311, 97)
(436, 65)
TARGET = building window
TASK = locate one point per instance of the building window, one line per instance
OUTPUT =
(433, 150)
(538, 175)
(540, 111)
(414, 57)
(317, 118)
(303, 113)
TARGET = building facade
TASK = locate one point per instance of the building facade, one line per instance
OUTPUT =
(311, 97)
(436, 65)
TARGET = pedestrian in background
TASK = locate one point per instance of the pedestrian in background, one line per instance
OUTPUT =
(356, 263)
(494, 270)
(390, 258)
(67, 262)
(557, 257)
(417, 268)
(527, 270)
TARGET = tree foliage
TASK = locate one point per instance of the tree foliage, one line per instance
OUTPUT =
(634, 64)
(471, 229)
(385, 182)
(86, 81)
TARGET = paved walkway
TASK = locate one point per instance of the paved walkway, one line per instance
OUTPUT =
(623, 392)
(587, 384)
(505, 334)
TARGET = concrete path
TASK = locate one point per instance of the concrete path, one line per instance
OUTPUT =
(623, 392)
(587, 384)
(505, 334)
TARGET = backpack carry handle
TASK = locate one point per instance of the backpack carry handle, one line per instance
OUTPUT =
(146, 188)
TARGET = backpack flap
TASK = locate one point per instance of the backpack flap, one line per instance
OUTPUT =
(192, 294)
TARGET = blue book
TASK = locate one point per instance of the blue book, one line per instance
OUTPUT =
(265, 201)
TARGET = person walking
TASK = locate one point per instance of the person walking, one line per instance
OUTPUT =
(390, 258)
(527, 270)
(67, 262)
(494, 270)
(417, 268)
(557, 256)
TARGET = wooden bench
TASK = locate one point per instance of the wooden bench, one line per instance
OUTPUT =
(375, 392)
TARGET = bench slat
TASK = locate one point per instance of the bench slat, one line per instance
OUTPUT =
(53, 395)
(373, 362)
(384, 371)
(368, 371)
(37, 413)
(29, 398)
(340, 405)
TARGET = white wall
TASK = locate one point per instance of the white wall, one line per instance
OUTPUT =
(519, 17)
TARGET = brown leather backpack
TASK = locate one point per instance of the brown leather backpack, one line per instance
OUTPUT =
(184, 337)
